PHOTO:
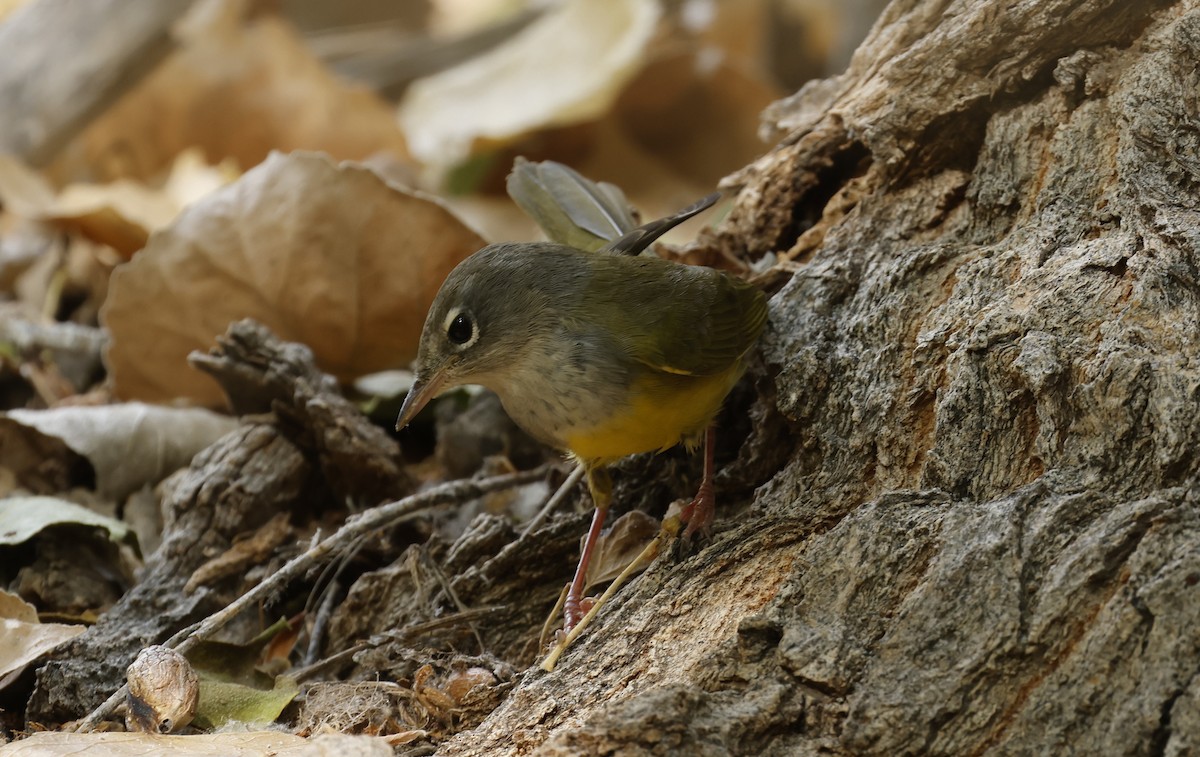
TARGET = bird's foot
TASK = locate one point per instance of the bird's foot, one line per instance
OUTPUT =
(574, 609)
(698, 514)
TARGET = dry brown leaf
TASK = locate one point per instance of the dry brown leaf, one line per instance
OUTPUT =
(566, 67)
(328, 255)
(696, 113)
(237, 88)
(22, 638)
(617, 547)
(129, 445)
(122, 213)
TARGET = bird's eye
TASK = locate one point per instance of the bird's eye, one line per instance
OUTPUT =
(461, 329)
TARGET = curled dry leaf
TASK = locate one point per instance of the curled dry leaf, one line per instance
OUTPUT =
(328, 255)
(236, 88)
(129, 445)
(567, 67)
(618, 546)
(163, 691)
(22, 638)
(122, 213)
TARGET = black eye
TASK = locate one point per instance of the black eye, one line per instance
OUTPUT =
(460, 330)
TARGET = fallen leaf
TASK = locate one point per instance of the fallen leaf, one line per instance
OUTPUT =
(237, 88)
(617, 547)
(328, 255)
(23, 518)
(237, 744)
(37, 463)
(121, 214)
(696, 113)
(222, 702)
(22, 638)
(566, 67)
(233, 685)
(244, 554)
(129, 445)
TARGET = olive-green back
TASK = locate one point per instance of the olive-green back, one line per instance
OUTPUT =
(672, 317)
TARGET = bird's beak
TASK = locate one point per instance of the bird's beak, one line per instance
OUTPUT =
(418, 397)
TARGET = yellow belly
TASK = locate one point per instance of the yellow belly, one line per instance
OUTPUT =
(662, 410)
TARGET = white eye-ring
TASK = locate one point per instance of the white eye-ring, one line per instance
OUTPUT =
(460, 329)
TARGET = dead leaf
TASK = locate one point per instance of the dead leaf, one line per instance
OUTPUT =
(26, 517)
(224, 702)
(129, 445)
(696, 113)
(244, 554)
(121, 214)
(327, 255)
(617, 547)
(22, 638)
(37, 462)
(237, 744)
(233, 684)
(566, 67)
(236, 88)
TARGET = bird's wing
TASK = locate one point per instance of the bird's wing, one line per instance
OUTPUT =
(571, 209)
(676, 318)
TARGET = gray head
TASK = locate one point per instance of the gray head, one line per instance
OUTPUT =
(487, 310)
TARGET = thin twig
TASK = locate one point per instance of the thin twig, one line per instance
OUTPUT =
(404, 635)
(444, 582)
(669, 530)
(382, 516)
(321, 621)
(556, 500)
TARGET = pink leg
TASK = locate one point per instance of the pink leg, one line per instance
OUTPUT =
(572, 608)
(600, 487)
(698, 514)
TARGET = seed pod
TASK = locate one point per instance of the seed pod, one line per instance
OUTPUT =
(163, 691)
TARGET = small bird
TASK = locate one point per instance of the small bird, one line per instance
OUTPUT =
(602, 354)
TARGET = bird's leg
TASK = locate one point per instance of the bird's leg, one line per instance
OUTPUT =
(600, 486)
(698, 514)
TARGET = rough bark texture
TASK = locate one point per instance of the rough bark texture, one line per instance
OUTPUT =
(984, 537)
(316, 447)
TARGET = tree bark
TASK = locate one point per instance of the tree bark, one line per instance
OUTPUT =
(982, 375)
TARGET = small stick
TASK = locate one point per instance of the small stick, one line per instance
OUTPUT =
(645, 557)
(377, 517)
(554, 501)
(321, 622)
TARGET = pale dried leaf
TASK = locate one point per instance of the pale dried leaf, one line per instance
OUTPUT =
(239, 744)
(129, 445)
(13, 607)
(567, 67)
(328, 255)
(236, 89)
(22, 638)
(26, 517)
(122, 213)
(347, 745)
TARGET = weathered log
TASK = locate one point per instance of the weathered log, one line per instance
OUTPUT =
(985, 536)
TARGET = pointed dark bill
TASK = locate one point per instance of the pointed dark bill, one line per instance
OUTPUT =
(418, 397)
